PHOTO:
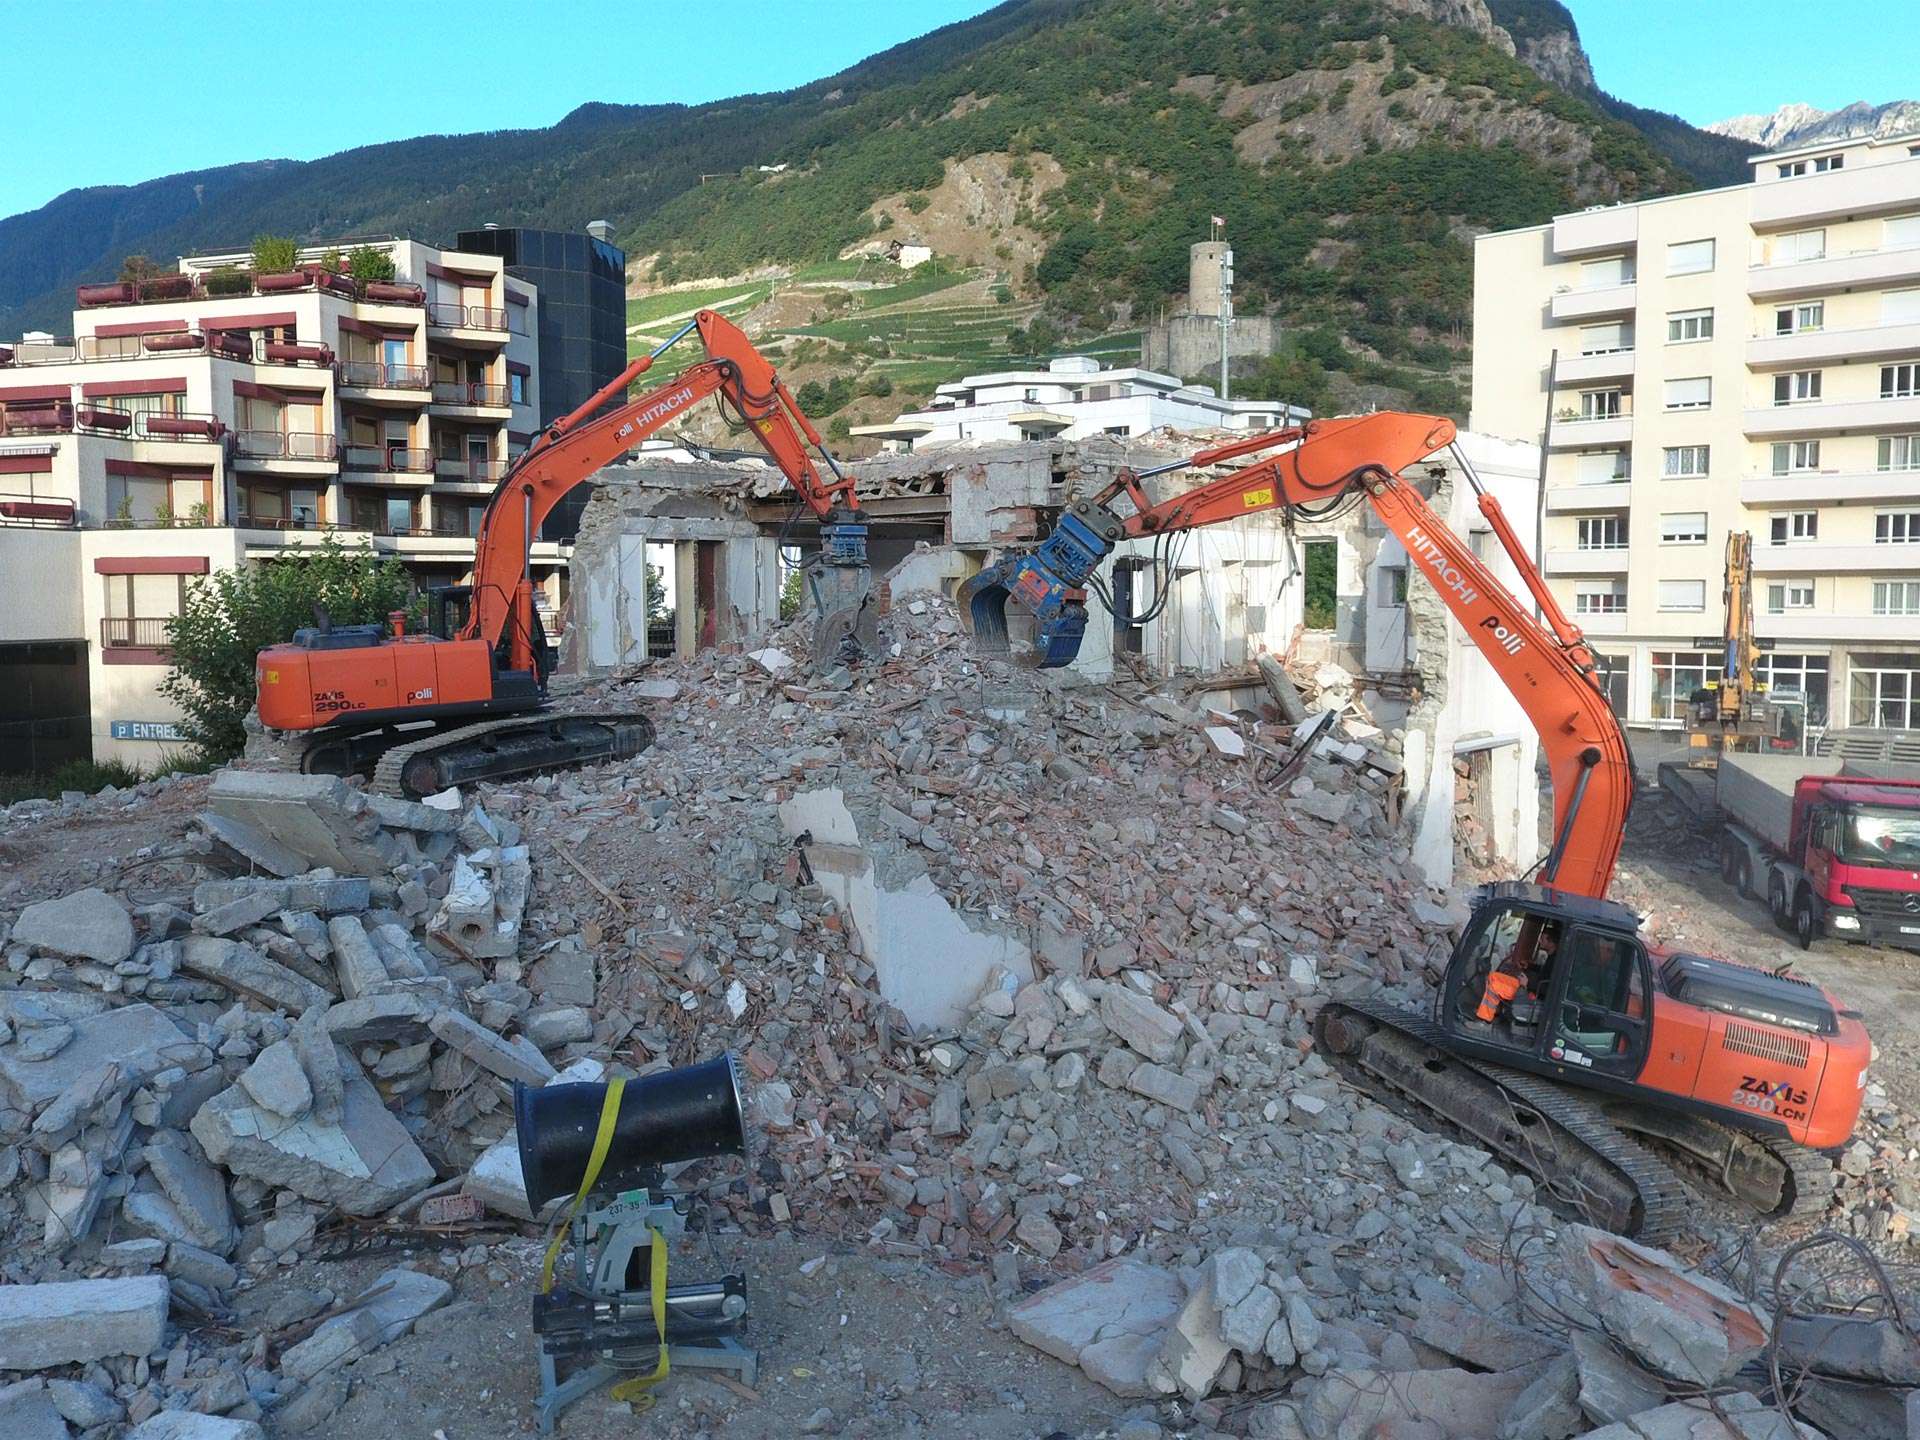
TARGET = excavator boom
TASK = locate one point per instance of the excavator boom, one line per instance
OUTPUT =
(1546, 664)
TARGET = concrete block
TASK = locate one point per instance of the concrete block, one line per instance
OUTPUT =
(277, 1082)
(487, 1049)
(197, 1190)
(1108, 1319)
(244, 970)
(1194, 1351)
(496, 1178)
(190, 1425)
(1455, 1404)
(85, 925)
(399, 1015)
(317, 817)
(396, 1299)
(355, 960)
(366, 1162)
(1167, 1087)
(27, 1412)
(1153, 1032)
(252, 846)
(141, 1040)
(81, 1320)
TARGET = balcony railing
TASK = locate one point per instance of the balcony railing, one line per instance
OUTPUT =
(446, 315)
(452, 467)
(388, 459)
(378, 375)
(37, 512)
(222, 344)
(52, 417)
(161, 289)
(149, 424)
(462, 392)
(138, 632)
(280, 522)
(274, 445)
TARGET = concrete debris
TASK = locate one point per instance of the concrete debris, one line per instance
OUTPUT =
(1109, 1320)
(496, 1179)
(86, 925)
(391, 1305)
(80, 1320)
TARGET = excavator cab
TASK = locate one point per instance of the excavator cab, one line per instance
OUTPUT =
(1550, 982)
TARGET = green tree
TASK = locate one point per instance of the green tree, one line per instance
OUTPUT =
(368, 262)
(274, 254)
(658, 611)
(227, 617)
(139, 267)
(791, 593)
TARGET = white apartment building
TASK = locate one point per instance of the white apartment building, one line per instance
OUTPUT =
(214, 417)
(1741, 358)
(1072, 399)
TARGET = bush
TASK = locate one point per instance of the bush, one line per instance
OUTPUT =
(274, 254)
(918, 201)
(229, 616)
(365, 262)
(86, 776)
(139, 267)
(879, 385)
(227, 280)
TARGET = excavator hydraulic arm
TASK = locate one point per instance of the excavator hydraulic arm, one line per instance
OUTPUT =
(573, 448)
(1545, 663)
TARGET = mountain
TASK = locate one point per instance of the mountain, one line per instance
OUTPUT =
(1076, 147)
(1795, 125)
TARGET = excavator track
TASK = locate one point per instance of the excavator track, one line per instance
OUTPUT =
(1579, 1161)
(1775, 1178)
(520, 745)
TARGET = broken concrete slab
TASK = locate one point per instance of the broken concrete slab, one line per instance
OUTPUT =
(1549, 1408)
(366, 1162)
(1612, 1387)
(1193, 1352)
(190, 1425)
(396, 1299)
(277, 1082)
(1109, 1320)
(355, 960)
(1745, 1418)
(27, 1412)
(488, 1050)
(88, 924)
(1678, 1323)
(1879, 1351)
(496, 1179)
(1483, 1341)
(1151, 1031)
(398, 1015)
(141, 1040)
(81, 1320)
(250, 847)
(243, 969)
(1451, 1404)
(320, 818)
(197, 1190)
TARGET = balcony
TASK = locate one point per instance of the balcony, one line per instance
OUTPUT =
(136, 633)
(1602, 365)
(1836, 195)
(468, 322)
(380, 383)
(1591, 232)
(1826, 417)
(1829, 487)
(1592, 304)
(1837, 560)
(37, 512)
(398, 460)
(1602, 433)
(1587, 562)
(49, 417)
(1574, 499)
(1609, 622)
(168, 425)
(275, 452)
(472, 398)
(1871, 342)
(1812, 625)
(454, 470)
(212, 285)
(1855, 270)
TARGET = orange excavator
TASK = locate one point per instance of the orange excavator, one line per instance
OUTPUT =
(1559, 1038)
(407, 705)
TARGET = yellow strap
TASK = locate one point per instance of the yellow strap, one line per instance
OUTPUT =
(634, 1392)
(637, 1392)
(602, 1142)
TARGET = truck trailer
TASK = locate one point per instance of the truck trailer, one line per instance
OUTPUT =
(1831, 845)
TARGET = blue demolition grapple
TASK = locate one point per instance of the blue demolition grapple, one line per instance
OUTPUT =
(1049, 581)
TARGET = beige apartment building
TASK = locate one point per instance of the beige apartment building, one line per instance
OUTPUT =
(212, 417)
(1742, 358)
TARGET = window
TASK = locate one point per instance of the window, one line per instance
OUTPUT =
(516, 387)
(1897, 232)
(1677, 674)
(1602, 467)
(1791, 168)
(1605, 274)
(1599, 404)
(1797, 387)
(1800, 319)
(1899, 382)
(1896, 527)
(1690, 257)
(1606, 598)
(1900, 307)
(1123, 431)
(1796, 679)
(1605, 339)
(1611, 671)
(1900, 452)
(1393, 586)
(1691, 394)
(1884, 690)
(1896, 597)
(1824, 163)
(1683, 595)
(1795, 527)
(1684, 462)
(138, 609)
(1793, 456)
(1786, 595)
(1683, 325)
(1603, 532)
(1684, 527)
(1800, 246)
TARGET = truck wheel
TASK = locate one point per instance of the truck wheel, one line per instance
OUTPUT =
(1806, 920)
(1730, 863)
(1777, 901)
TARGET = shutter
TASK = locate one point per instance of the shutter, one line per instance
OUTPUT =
(1900, 232)
(1689, 257)
(1900, 307)
(1697, 391)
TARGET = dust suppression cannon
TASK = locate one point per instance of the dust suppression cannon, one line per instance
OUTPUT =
(608, 1308)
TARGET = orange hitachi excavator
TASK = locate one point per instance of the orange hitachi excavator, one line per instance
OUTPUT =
(372, 695)
(1559, 1038)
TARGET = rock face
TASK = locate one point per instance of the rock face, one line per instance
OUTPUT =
(81, 1320)
(86, 925)
(364, 1163)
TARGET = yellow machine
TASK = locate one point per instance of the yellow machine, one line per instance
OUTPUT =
(1732, 713)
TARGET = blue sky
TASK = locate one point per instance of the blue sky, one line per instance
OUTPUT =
(196, 83)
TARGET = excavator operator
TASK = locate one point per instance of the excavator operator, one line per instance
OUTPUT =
(1526, 969)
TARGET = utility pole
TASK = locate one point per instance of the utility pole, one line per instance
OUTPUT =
(1226, 313)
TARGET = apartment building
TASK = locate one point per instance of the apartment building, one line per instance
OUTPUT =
(1746, 358)
(1072, 399)
(213, 417)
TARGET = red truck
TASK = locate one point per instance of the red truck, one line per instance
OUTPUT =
(1833, 845)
